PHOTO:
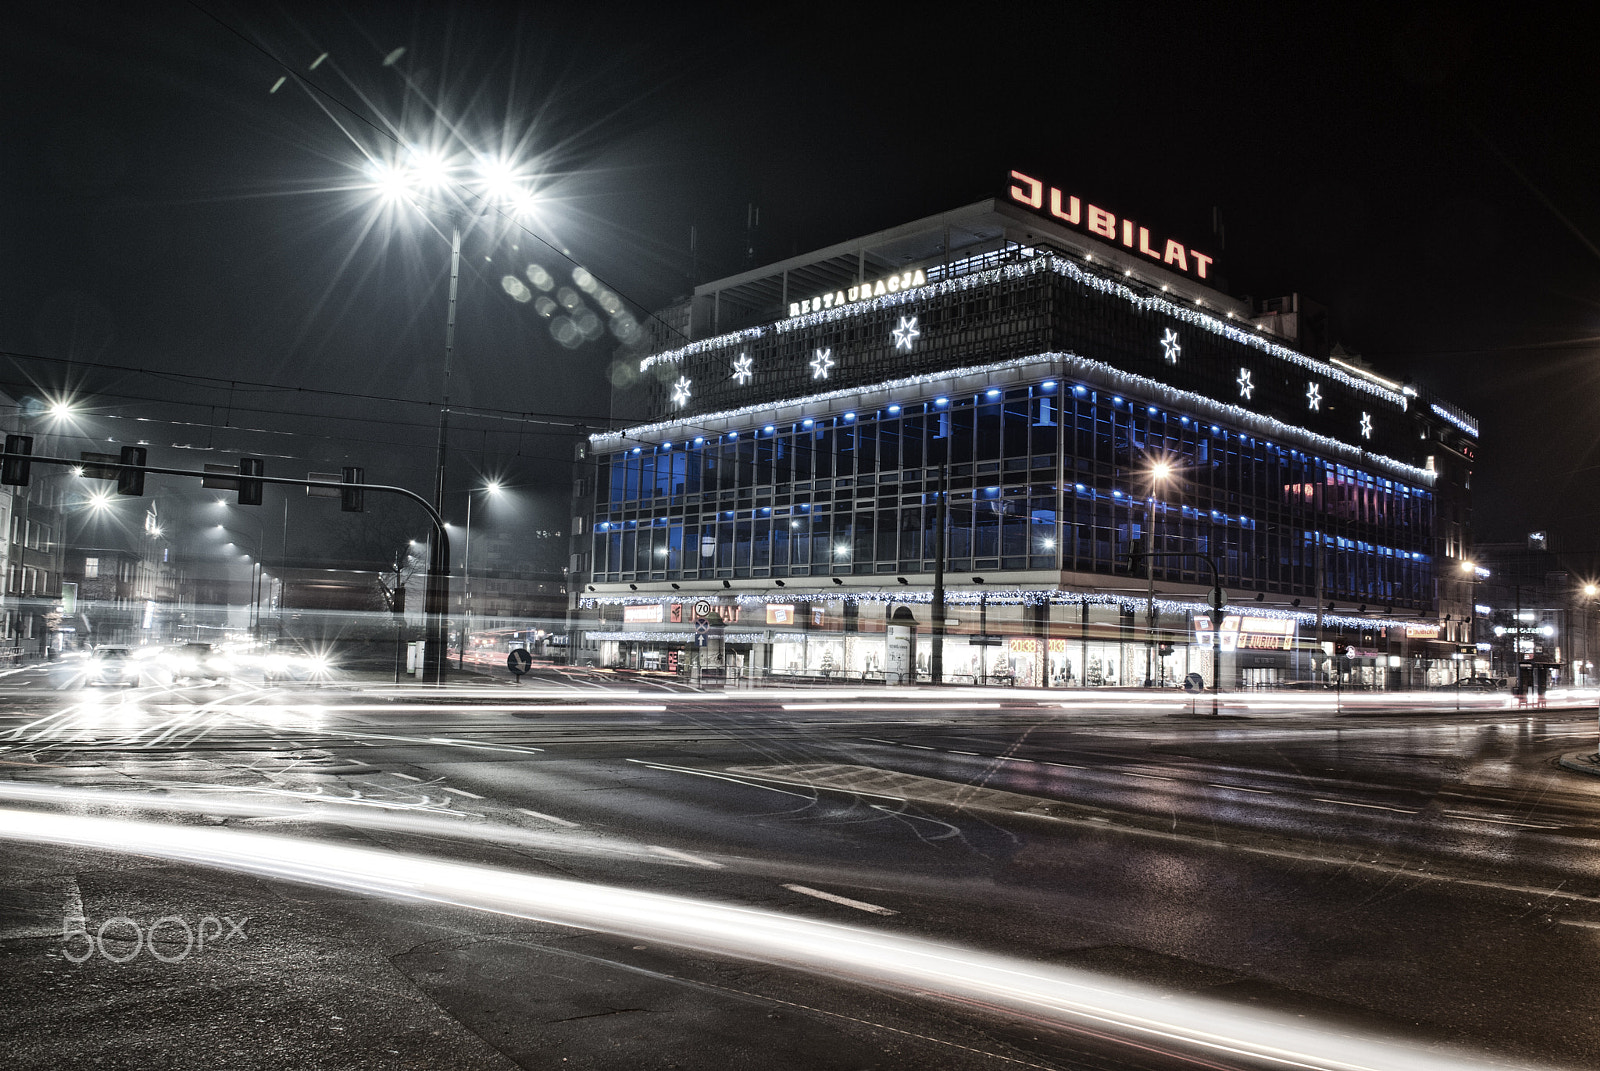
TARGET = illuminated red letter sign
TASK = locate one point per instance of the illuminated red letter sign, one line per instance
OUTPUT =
(1033, 196)
(1027, 190)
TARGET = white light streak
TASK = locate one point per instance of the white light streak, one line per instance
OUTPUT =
(1047, 994)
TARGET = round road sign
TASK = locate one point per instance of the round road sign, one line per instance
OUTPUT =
(519, 661)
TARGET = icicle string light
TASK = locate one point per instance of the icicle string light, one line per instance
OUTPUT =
(1060, 266)
(1054, 365)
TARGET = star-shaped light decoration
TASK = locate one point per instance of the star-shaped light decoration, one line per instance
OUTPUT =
(1366, 425)
(741, 369)
(680, 391)
(1169, 343)
(821, 363)
(1314, 397)
(1246, 387)
(907, 333)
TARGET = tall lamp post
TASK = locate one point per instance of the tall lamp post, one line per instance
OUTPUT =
(257, 572)
(1158, 475)
(490, 488)
(418, 179)
(1473, 576)
(1589, 592)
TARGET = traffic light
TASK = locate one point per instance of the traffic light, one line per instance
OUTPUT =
(14, 470)
(352, 499)
(130, 477)
(1341, 650)
(250, 489)
(1164, 649)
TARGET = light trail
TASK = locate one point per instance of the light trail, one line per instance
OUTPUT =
(1187, 1027)
(908, 705)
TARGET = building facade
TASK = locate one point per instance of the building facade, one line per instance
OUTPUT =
(1000, 395)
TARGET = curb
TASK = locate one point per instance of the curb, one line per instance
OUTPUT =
(1582, 762)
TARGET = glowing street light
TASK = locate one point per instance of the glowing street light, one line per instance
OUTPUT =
(489, 489)
(1159, 473)
(493, 184)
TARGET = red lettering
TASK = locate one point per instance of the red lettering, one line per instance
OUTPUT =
(1055, 206)
(1033, 197)
(1144, 243)
(1127, 233)
(1201, 262)
(1176, 255)
(1102, 223)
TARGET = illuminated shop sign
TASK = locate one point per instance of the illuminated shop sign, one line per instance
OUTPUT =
(1050, 201)
(642, 615)
(780, 615)
(1248, 633)
(1418, 631)
(891, 284)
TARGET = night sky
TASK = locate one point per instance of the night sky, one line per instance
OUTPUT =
(190, 246)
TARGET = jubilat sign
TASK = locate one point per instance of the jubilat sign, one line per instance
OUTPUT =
(1102, 224)
(891, 284)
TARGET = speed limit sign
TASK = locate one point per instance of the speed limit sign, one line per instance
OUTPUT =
(702, 609)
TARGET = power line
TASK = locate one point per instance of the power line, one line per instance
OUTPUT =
(220, 383)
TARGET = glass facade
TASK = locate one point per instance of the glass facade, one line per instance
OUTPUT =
(1052, 475)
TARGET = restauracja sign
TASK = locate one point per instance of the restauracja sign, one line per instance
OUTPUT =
(1049, 200)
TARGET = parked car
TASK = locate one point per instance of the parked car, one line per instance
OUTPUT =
(1473, 684)
(112, 664)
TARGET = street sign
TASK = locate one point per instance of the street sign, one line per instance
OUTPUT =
(700, 639)
(221, 477)
(519, 661)
(325, 492)
(985, 641)
(98, 466)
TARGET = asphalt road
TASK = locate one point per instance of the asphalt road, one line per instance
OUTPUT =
(1423, 875)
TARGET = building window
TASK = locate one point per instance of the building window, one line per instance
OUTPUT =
(91, 568)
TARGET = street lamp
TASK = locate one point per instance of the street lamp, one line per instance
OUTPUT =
(1159, 472)
(489, 489)
(257, 572)
(419, 179)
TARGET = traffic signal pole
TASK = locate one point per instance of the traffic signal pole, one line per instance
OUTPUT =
(437, 601)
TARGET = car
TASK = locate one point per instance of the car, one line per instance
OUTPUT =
(291, 661)
(112, 664)
(196, 661)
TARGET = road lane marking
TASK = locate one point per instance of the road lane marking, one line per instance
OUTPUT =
(461, 792)
(1346, 802)
(953, 751)
(1240, 788)
(1066, 765)
(920, 747)
(407, 776)
(1150, 776)
(722, 777)
(859, 905)
(1579, 922)
(672, 853)
(1497, 821)
(547, 817)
